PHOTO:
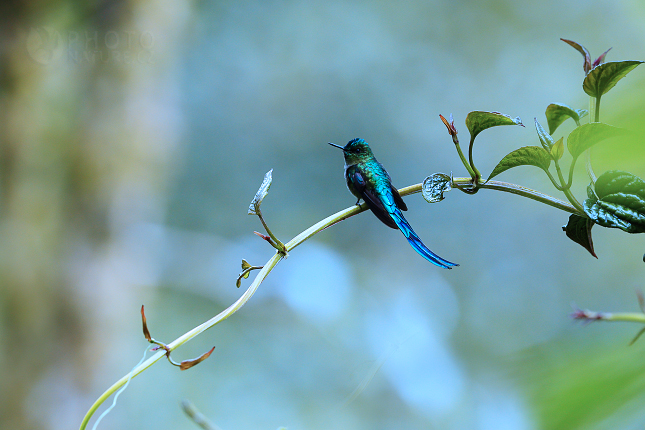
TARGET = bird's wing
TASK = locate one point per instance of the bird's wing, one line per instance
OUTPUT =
(387, 205)
(398, 200)
(371, 198)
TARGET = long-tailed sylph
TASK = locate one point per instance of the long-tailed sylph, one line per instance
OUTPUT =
(368, 180)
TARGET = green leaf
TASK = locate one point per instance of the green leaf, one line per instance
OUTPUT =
(479, 121)
(619, 202)
(582, 113)
(578, 229)
(254, 207)
(545, 138)
(525, 156)
(434, 186)
(614, 181)
(586, 65)
(557, 113)
(557, 150)
(587, 135)
(602, 78)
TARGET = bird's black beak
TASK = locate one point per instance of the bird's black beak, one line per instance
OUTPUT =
(337, 146)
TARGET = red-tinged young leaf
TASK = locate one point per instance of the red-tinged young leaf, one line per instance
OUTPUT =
(586, 65)
(587, 316)
(187, 364)
(525, 156)
(605, 76)
(545, 138)
(557, 113)
(263, 236)
(578, 229)
(587, 135)
(450, 125)
(600, 59)
(146, 333)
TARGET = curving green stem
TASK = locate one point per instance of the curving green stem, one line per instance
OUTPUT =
(574, 201)
(264, 272)
(463, 157)
(276, 242)
(520, 191)
(588, 315)
(566, 187)
(293, 243)
(596, 115)
(478, 175)
(594, 106)
(187, 336)
(563, 185)
(553, 181)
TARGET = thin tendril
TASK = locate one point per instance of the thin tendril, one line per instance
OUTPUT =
(116, 396)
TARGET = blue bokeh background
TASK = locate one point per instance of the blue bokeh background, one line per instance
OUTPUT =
(135, 133)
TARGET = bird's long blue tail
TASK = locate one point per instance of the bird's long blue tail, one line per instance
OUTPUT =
(416, 242)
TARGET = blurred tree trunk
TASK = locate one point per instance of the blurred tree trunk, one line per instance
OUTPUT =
(83, 158)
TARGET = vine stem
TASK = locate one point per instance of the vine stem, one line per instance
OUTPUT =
(262, 274)
(293, 243)
(588, 315)
(478, 175)
(594, 107)
(516, 189)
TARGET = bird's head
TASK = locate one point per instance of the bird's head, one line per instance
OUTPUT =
(355, 151)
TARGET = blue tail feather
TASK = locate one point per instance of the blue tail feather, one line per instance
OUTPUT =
(416, 242)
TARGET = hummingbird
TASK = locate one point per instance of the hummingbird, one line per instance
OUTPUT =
(367, 179)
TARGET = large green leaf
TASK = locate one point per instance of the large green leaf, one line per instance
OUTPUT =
(479, 121)
(578, 229)
(587, 135)
(619, 202)
(525, 156)
(602, 78)
(557, 113)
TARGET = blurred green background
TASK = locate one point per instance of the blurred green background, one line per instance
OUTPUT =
(133, 135)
